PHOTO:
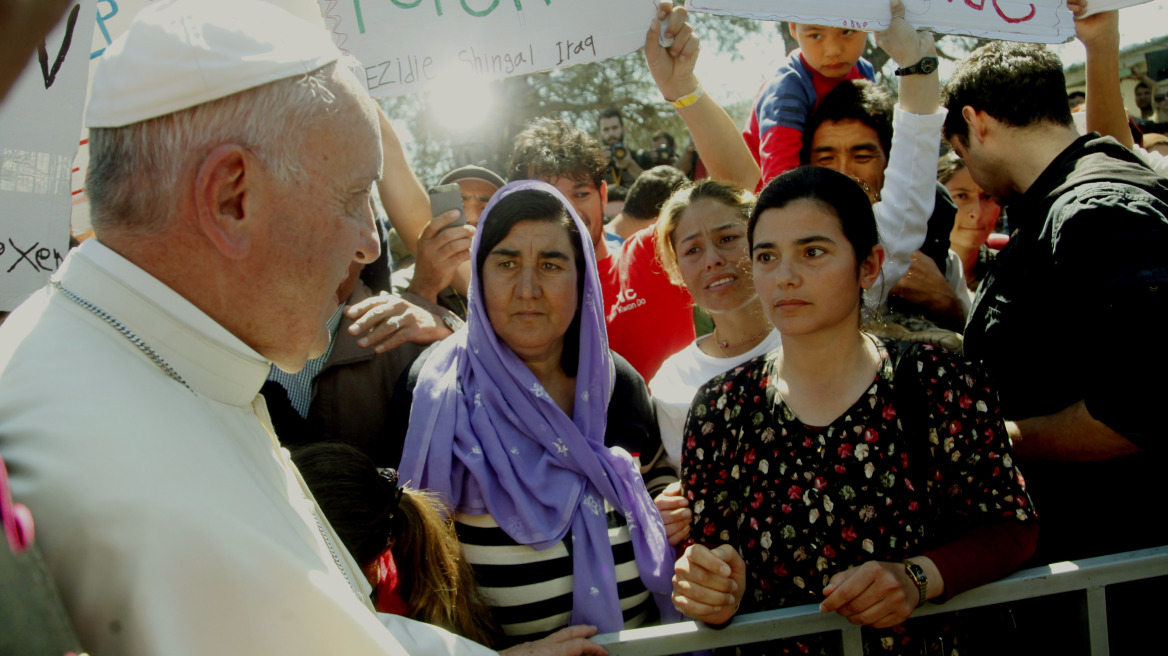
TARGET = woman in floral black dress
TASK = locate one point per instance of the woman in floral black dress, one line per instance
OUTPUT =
(860, 474)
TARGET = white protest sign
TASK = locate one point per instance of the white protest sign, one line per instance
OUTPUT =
(112, 18)
(405, 46)
(1040, 21)
(39, 124)
(1096, 6)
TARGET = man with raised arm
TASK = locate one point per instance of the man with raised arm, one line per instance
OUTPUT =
(904, 177)
(231, 161)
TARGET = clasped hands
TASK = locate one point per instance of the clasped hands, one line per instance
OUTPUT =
(708, 585)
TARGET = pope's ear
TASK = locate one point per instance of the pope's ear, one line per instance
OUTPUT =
(223, 185)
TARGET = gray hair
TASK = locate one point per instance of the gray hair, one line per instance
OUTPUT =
(134, 170)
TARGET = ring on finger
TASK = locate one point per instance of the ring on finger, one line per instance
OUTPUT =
(395, 323)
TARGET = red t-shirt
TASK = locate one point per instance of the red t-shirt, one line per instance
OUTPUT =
(649, 318)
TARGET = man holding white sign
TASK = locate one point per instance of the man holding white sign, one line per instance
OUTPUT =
(232, 163)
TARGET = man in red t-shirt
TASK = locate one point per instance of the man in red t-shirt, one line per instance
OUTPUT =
(649, 318)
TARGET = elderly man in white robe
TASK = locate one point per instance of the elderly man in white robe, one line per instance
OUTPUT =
(232, 159)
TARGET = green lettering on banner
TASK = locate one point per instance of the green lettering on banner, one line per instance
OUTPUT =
(415, 3)
(360, 19)
(406, 4)
(480, 14)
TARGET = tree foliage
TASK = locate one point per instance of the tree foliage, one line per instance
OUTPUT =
(577, 94)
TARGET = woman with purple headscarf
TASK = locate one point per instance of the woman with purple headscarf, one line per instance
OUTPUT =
(518, 422)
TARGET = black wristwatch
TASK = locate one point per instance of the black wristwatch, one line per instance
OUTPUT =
(925, 66)
(917, 575)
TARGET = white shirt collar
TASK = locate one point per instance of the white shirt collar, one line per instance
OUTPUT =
(211, 360)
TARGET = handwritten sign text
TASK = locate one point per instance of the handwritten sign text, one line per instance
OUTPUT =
(448, 40)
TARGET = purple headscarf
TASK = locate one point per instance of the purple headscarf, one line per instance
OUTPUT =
(487, 437)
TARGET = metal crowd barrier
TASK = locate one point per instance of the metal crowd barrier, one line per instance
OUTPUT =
(1090, 576)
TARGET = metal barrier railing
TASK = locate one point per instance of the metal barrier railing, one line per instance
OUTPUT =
(1090, 576)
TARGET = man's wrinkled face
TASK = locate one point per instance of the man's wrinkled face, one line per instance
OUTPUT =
(325, 226)
(611, 130)
(851, 148)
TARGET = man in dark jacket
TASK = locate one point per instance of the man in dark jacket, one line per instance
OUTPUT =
(1069, 321)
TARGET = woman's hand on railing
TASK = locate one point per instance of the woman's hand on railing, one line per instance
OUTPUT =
(675, 513)
(878, 594)
(708, 584)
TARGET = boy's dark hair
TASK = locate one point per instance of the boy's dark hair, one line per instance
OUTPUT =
(857, 100)
(610, 113)
(662, 134)
(651, 190)
(1019, 84)
(548, 149)
(1142, 85)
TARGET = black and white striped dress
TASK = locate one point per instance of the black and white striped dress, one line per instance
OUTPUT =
(530, 592)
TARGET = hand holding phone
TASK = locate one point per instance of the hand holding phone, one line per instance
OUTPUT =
(444, 198)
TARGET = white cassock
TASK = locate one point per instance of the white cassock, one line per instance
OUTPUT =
(171, 520)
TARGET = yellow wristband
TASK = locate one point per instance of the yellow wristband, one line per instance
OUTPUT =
(689, 98)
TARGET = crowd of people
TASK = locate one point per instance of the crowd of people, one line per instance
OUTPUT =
(279, 404)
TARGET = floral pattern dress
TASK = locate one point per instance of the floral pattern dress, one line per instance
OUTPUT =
(921, 458)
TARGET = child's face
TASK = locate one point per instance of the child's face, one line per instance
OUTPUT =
(832, 51)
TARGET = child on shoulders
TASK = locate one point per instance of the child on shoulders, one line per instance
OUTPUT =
(826, 57)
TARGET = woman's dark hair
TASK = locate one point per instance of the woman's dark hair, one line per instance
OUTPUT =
(359, 504)
(834, 191)
(370, 514)
(537, 205)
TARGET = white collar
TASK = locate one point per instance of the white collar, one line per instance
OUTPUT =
(212, 361)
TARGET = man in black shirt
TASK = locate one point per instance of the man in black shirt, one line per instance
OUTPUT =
(1069, 321)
